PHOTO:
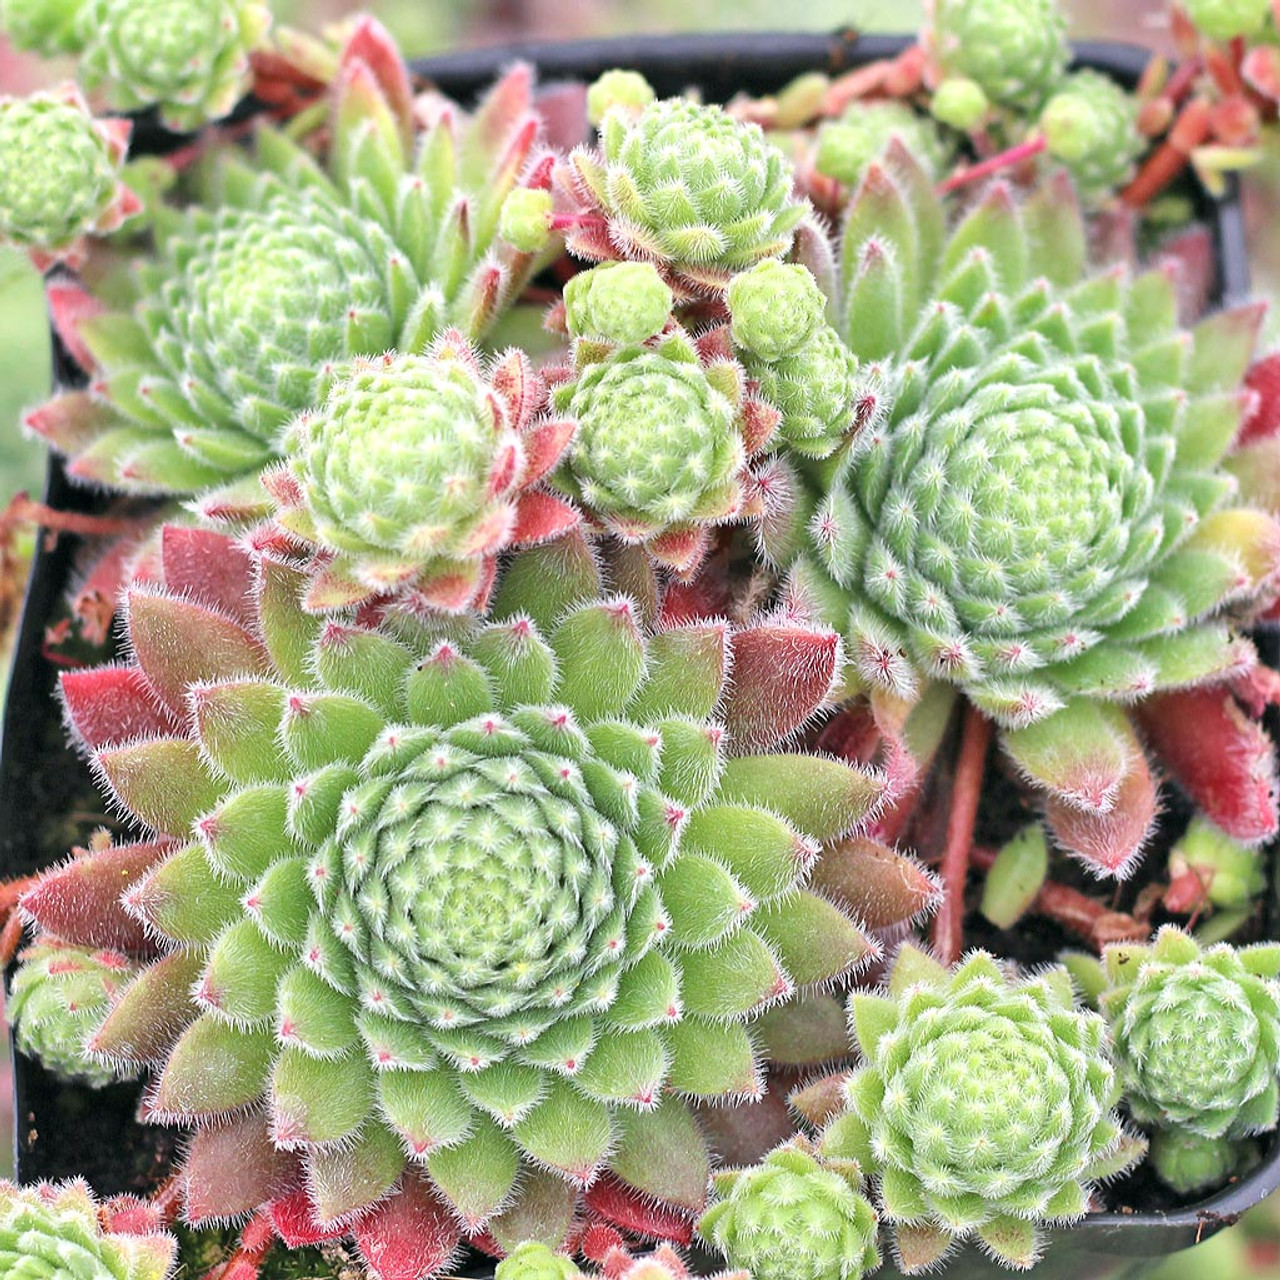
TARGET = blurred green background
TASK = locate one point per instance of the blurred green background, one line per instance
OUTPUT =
(1251, 1250)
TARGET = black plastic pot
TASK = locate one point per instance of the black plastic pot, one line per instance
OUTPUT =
(62, 1130)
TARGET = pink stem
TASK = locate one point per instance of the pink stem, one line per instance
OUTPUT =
(568, 221)
(948, 926)
(1004, 160)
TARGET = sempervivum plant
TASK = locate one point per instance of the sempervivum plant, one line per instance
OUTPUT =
(237, 327)
(472, 912)
(415, 472)
(58, 998)
(1014, 50)
(798, 1215)
(48, 27)
(1197, 1033)
(188, 57)
(665, 424)
(1043, 520)
(60, 174)
(61, 1233)
(682, 185)
(986, 1106)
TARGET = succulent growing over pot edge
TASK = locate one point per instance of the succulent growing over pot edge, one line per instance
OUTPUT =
(58, 998)
(986, 1106)
(302, 266)
(1197, 1033)
(1015, 50)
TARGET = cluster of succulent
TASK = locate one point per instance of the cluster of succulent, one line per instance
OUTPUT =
(187, 58)
(514, 725)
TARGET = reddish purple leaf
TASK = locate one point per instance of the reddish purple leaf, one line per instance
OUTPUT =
(1109, 843)
(113, 704)
(782, 675)
(79, 902)
(633, 1210)
(1223, 758)
(209, 567)
(411, 1236)
(234, 1167)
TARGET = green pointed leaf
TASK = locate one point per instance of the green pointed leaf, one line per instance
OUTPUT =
(567, 1131)
(162, 780)
(601, 657)
(346, 1178)
(662, 1153)
(214, 1068)
(823, 798)
(686, 673)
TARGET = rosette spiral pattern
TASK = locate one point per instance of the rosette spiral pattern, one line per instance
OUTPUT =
(57, 999)
(986, 1106)
(794, 1216)
(1197, 1033)
(489, 904)
(684, 186)
(416, 471)
(239, 324)
(1015, 50)
(55, 1233)
(59, 174)
(1042, 518)
(665, 430)
(188, 57)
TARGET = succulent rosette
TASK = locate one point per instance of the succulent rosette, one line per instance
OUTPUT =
(665, 427)
(1197, 1033)
(238, 325)
(189, 58)
(795, 1216)
(846, 146)
(416, 471)
(1090, 124)
(60, 1232)
(47, 27)
(986, 1106)
(1014, 50)
(60, 174)
(57, 999)
(681, 185)
(1043, 520)
(473, 912)
(797, 361)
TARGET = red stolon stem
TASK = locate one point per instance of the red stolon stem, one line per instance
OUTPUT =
(1004, 160)
(948, 925)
